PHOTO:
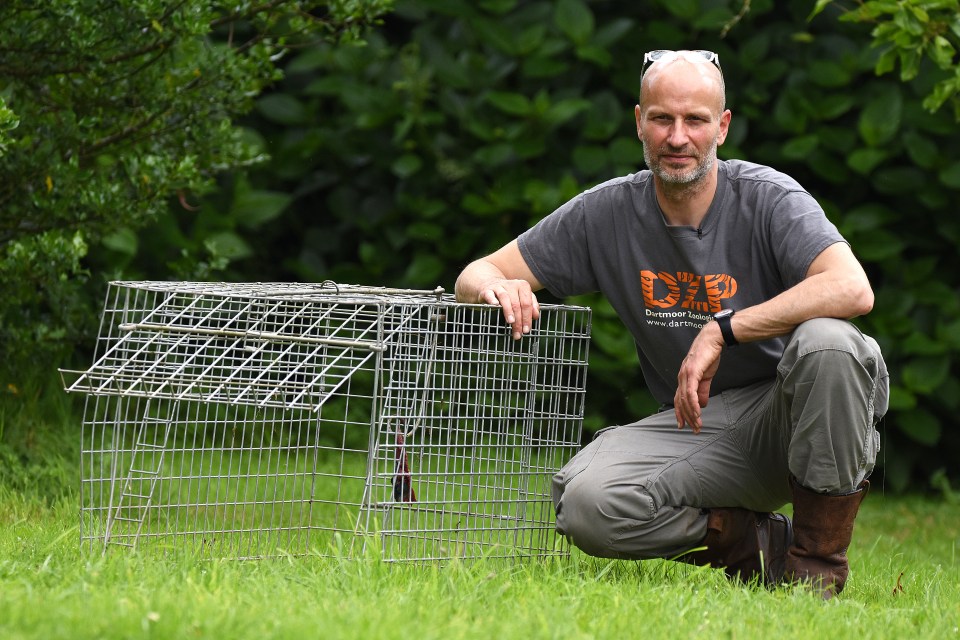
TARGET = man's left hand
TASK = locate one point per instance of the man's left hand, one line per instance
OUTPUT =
(696, 373)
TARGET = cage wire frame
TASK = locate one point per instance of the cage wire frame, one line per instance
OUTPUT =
(249, 420)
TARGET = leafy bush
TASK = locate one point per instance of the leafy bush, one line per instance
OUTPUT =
(122, 105)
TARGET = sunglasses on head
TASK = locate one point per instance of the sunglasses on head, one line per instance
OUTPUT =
(697, 55)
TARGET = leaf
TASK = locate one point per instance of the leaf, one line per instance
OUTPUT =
(877, 245)
(922, 151)
(769, 71)
(282, 108)
(921, 344)
(880, 119)
(590, 159)
(685, 9)
(493, 32)
(543, 67)
(596, 54)
(494, 155)
(942, 52)
(788, 113)
(531, 39)
(950, 175)
(800, 147)
(603, 117)
(924, 374)
(478, 205)
(950, 334)
(309, 60)
(869, 216)
(834, 105)
(829, 73)
(406, 165)
(891, 309)
(886, 62)
(714, 18)
(938, 294)
(575, 20)
(943, 91)
(828, 166)
(424, 270)
(921, 272)
(228, 245)
(901, 399)
(863, 161)
(909, 64)
(922, 426)
(626, 151)
(513, 103)
(254, 207)
(817, 8)
(611, 32)
(122, 240)
(564, 110)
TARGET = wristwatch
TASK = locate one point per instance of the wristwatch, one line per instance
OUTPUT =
(723, 319)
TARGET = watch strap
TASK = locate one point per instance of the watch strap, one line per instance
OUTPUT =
(726, 330)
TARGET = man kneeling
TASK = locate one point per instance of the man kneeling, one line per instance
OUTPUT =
(738, 292)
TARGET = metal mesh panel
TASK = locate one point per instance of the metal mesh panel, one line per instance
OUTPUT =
(245, 420)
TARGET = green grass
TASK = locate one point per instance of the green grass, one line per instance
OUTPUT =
(50, 589)
(905, 580)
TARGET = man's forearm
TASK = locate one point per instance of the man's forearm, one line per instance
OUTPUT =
(820, 296)
(835, 287)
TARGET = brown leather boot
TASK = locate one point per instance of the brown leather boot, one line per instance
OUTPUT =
(823, 527)
(746, 544)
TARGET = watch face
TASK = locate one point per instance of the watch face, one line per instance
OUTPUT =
(723, 314)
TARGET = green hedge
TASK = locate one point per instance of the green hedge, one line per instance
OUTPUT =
(461, 123)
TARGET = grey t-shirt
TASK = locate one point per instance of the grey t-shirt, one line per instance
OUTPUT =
(758, 239)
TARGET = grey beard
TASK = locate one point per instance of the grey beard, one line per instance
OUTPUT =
(696, 175)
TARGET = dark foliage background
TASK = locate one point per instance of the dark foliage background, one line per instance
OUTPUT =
(461, 123)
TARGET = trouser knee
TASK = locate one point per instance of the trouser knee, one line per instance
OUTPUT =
(840, 360)
(608, 516)
(585, 515)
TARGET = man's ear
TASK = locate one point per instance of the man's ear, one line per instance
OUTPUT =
(636, 114)
(725, 118)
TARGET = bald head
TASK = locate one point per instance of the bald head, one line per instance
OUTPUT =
(685, 74)
(681, 120)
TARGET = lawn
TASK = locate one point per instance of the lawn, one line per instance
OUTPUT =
(905, 583)
(905, 578)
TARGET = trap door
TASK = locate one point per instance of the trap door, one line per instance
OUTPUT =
(225, 348)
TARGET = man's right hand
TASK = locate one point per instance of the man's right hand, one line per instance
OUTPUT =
(504, 279)
(518, 301)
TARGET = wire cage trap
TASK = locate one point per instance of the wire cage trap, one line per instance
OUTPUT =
(250, 420)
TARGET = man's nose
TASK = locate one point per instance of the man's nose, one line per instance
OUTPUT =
(678, 135)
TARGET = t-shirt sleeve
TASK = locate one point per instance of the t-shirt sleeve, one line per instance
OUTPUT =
(799, 232)
(557, 250)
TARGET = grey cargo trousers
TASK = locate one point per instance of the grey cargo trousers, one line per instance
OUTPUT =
(639, 490)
